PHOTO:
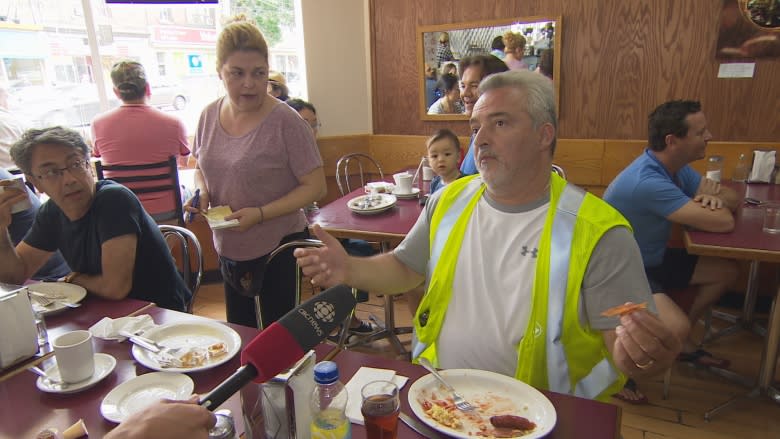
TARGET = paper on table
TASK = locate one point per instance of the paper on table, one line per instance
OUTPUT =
(363, 376)
(108, 328)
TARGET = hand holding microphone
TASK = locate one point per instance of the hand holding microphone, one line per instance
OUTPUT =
(286, 341)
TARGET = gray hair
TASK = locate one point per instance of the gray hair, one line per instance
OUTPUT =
(22, 151)
(539, 92)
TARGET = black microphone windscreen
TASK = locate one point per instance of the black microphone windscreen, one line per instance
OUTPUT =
(310, 322)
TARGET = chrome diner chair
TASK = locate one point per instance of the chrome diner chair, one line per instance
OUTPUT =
(364, 162)
(186, 249)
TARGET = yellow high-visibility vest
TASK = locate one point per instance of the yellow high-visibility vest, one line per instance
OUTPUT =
(557, 352)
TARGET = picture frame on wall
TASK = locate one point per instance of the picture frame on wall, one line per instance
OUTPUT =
(749, 29)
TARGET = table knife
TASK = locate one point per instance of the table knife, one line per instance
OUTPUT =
(419, 427)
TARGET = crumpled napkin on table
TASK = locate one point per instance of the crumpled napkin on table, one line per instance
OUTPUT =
(363, 376)
(108, 328)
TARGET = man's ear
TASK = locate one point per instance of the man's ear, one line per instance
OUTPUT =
(116, 93)
(148, 91)
(30, 181)
(546, 135)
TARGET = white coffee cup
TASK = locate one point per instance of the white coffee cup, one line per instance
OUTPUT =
(75, 356)
(23, 205)
(427, 172)
(403, 182)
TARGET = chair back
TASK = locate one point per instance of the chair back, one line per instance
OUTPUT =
(160, 177)
(366, 166)
(558, 170)
(187, 254)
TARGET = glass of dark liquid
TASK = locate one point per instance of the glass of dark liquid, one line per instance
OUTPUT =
(380, 408)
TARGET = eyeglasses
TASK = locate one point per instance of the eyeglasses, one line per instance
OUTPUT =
(76, 168)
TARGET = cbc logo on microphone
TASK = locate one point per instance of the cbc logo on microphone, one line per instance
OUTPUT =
(324, 311)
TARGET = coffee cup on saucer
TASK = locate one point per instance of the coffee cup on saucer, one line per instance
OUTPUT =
(75, 356)
(403, 183)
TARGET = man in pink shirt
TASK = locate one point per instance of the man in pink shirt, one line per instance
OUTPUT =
(136, 133)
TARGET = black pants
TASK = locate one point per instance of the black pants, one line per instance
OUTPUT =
(274, 283)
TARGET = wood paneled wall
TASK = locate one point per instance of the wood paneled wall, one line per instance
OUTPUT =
(620, 60)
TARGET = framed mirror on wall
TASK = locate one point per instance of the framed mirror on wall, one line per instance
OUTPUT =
(532, 43)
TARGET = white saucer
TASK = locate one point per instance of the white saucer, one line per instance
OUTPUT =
(104, 365)
(413, 194)
(136, 394)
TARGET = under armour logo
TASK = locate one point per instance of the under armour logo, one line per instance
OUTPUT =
(525, 251)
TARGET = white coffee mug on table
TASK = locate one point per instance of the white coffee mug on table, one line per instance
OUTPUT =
(427, 172)
(403, 182)
(75, 356)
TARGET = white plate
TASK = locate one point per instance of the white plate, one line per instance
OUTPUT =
(493, 393)
(377, 203)
(73, 294)
(104, 365)
(413, 194)
(136, 394)
(189, 335)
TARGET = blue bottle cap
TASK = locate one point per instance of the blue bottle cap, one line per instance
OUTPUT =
(326, 372)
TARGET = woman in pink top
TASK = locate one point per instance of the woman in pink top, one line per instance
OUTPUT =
(256, 155)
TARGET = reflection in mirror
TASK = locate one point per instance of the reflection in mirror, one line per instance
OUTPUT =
(531, 43)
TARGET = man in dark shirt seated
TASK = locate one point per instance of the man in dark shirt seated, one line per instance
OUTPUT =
(21, 222)
(112, 245)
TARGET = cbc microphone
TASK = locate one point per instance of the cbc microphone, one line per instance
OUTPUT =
(286, 341)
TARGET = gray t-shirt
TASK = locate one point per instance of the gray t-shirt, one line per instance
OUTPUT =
(614, 275)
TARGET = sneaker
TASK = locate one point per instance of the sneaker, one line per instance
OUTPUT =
(363, 329)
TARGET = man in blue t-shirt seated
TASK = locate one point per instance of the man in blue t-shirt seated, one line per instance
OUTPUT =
(112, 245)
(660, 188)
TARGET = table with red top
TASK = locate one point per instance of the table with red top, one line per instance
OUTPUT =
(748, 241)
(24, 410)
(577, 417)
(92, 309)
(389, 227)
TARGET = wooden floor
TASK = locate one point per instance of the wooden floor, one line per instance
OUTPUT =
(693, 391)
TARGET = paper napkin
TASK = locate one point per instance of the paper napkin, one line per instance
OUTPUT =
(216, 218)
(108, 328)
(362, 377)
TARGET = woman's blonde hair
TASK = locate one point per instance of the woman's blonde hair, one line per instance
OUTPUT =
(513, 41)
(240, 34)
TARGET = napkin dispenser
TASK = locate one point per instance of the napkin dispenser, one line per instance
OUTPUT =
(279, 408)
(17, 324)
(763, 167)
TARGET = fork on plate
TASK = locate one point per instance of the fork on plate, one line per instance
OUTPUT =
(460, 402)
(44, 300)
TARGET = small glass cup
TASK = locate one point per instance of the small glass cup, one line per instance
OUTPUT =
(772, 219)
(380, 407)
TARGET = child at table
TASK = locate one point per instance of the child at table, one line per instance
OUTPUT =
(443, 155)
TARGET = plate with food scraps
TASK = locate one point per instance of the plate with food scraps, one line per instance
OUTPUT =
(506, 407)
(198, 346)
(58, 294)
(138, 393)
(372, 203)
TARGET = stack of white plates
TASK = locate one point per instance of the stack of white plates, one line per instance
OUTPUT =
(371, 204)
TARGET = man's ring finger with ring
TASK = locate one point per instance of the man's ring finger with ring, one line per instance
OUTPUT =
(645, 366)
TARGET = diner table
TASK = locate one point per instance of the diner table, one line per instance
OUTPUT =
(747, 241)
(388, 227)
(24, 410)
(576, 417)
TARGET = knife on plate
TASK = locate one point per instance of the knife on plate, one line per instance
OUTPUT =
(419, 427)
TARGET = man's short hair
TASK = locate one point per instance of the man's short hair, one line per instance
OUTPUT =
(299, 104)
(443, 134)
(669, 118)
(539, 95)
(22, 151)
(129, 78)
(488, 63)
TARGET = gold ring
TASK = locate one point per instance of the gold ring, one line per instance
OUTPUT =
(645, 366)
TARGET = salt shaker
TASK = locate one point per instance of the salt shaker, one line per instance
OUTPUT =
(225, 427)
(40, 327)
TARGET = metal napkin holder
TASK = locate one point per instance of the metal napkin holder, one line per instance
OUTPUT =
(283, 402)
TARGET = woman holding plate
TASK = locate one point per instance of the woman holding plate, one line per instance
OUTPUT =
(257, 156)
